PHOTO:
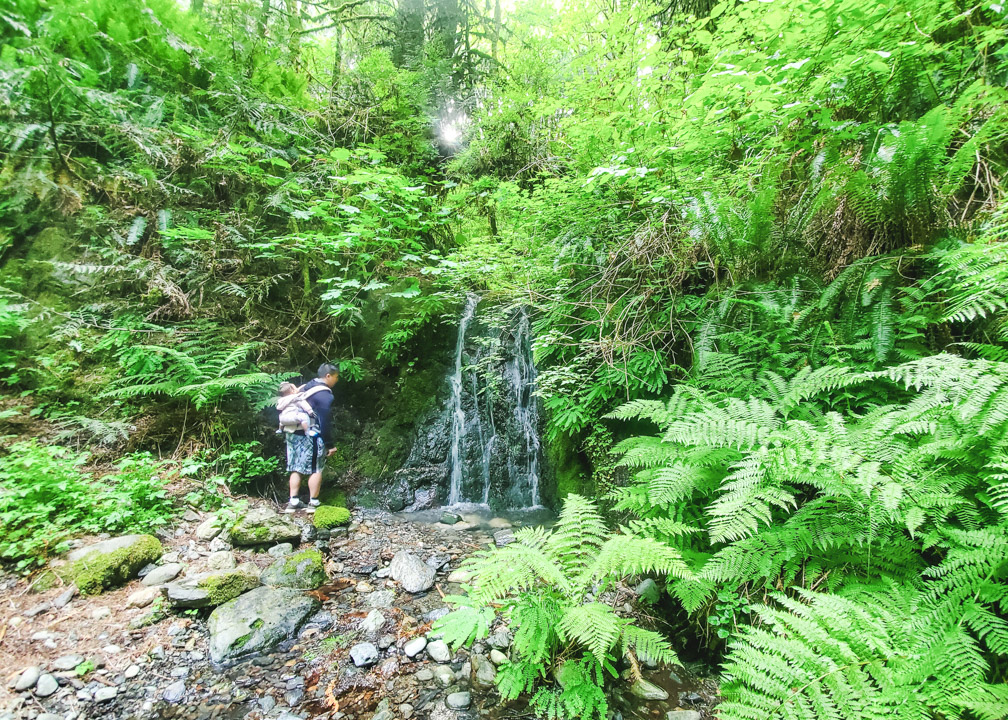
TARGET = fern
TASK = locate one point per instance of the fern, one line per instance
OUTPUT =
(551, 585)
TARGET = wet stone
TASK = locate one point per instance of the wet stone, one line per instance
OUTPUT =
(503, 537)
(683, 715)
(458, 700)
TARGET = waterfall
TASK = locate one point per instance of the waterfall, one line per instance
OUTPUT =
(492, 415)
(526, 410)
(458, 418)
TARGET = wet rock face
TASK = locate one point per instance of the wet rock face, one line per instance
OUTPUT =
(257, 621)
(482, 443)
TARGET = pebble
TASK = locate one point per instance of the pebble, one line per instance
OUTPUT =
(444, 675)
(190, 516)
(131, 672)
(174, 692)
(267, 703)
(162, 574)
(105, 694)
(406, 711)
(648, 691)
(46, 686)
(100, 613)
(180, 672)
(373, 622)
(364, 587)
(380, 599)
(458, 700)
(500, 639)
(208, 529)
(386, 641)
(424, 675)
(27, 679)
(459, 576)
(439, 651)
(48, 716)
(683, 715)
(61, 600)
(222, 560)
(497, 657)
(67, 662)
(415, 646)
(37, 610)
(364, 654)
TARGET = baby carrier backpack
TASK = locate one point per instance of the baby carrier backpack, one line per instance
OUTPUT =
(294, 408)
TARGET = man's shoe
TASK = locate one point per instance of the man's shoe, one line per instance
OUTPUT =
(293, 505)
(314, 502)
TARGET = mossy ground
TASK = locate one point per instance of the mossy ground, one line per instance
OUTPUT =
(97, 573)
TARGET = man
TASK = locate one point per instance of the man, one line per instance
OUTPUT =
(306, 451)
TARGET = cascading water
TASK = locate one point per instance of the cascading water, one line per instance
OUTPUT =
(493, 415)
(524, 466)
(457, 414)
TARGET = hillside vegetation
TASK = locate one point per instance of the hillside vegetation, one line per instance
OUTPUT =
(764, 247)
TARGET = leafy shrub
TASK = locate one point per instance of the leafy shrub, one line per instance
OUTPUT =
(47, 497)
(551, 586)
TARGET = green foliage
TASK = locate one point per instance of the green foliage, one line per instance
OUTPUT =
(553, 586)
(48, 497)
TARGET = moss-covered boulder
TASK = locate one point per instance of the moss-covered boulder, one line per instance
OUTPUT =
(263, 526)
(110, 563)
(302, 570)
(330, 516)
(257, 621)
(210, 589)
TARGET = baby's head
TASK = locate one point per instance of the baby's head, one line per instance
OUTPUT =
(287, 388)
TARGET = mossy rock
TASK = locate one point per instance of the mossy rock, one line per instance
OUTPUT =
(303, 570)
(111, 563)
(223, 586)
(330, 516)
(263, 526)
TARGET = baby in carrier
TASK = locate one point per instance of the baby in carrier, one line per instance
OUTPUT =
(295, 412)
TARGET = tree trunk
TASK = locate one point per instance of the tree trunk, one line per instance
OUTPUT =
(496, 29)
(264, 18)
(294, 27)
(337, 66)
(409, 41)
